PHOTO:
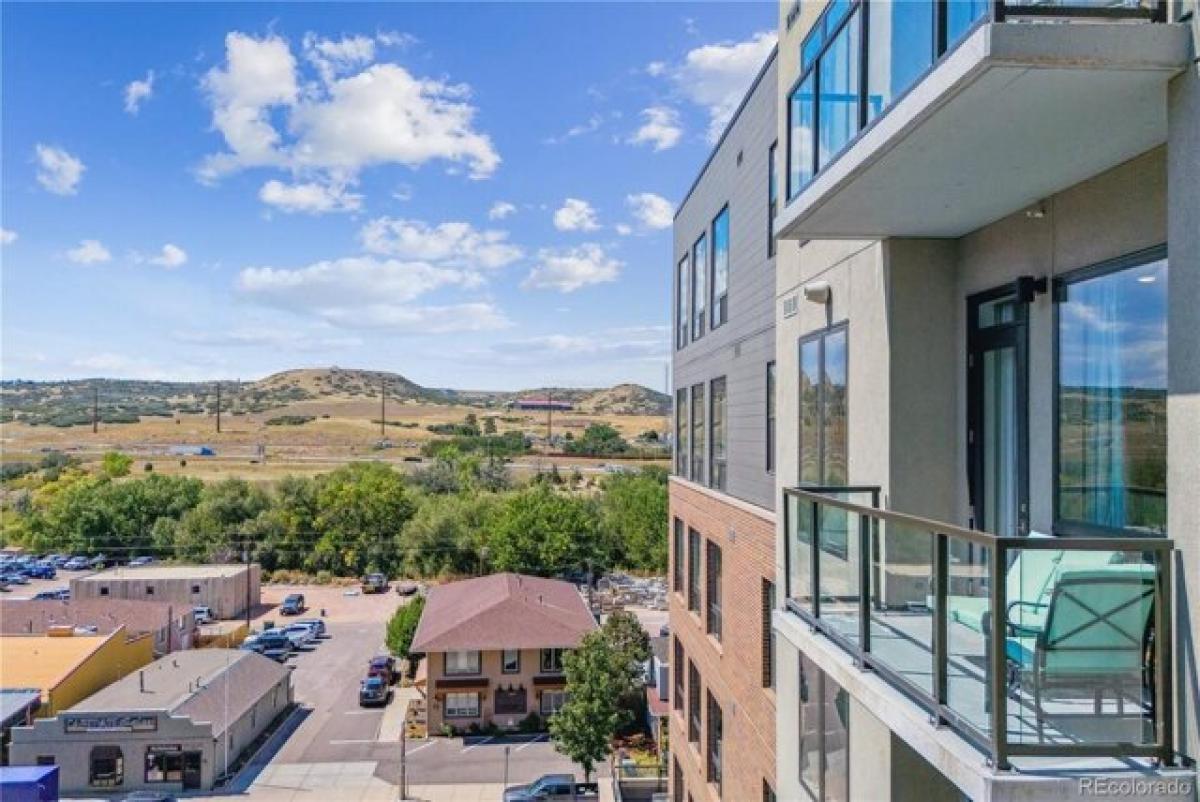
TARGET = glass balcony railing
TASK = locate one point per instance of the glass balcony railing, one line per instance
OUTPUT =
(1024, 646)
(862, 56)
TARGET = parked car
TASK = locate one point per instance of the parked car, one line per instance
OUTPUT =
(301, 634)
(41, 570)
(203, 615)
(147, 796)
(374, 583)
(407, 588)
(374, 691)
(317, 624)
(293, 604)
(51, 595)
(552, 788)
(16, 578)
(383, 666)
(76, 564)
(136, 561)
(274, 644)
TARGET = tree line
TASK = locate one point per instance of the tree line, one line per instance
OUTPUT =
(461, 515)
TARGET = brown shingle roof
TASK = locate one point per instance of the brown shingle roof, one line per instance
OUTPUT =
(33, 617)
(503, 611)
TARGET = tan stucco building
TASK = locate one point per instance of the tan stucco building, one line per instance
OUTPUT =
(220, 587)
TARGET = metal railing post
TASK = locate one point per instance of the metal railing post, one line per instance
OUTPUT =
(815, 567)
(864, 584)
(787, 545)
(1164, 708)
(999, 655)
(941, 629)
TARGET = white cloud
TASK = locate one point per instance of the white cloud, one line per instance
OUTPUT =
(89, 252)
(139, 91)
(592, 124)
(626, 344)
(656, 68)
(332, 58)
(569, 270)
(171, 256)
(660, 128)
(650, 210)
(624, 230)
(331, 130)
(451, 244)
(266, 336)
(717, 76)
(575, 215)
(58, 171)
(501, 210)
(7, 236)
(396, 39)
(312, 197)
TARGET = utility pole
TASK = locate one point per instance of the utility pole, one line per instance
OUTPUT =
(404, 761)
(246, 560)
(218, 407)
(382, 406)
(95, 408)
(549, 416)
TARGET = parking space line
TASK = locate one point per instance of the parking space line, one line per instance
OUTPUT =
(413, 751)
(340, 742)
(487, 740)
(360, 712)
(536, 740)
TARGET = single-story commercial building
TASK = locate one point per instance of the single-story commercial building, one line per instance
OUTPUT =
(494, 647)
(173, 726)
(220, 587)
(67, 667)
(172, 625)
(18, 706)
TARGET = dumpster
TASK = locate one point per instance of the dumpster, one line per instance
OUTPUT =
(29, 783)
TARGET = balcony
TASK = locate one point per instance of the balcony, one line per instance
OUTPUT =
(931, 118)
(1025, 647)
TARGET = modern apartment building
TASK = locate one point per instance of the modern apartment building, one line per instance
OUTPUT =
(722, 493)
(987, 344)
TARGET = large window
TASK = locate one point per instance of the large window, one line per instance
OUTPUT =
(693, 703)
(462, 663)
(677, 672)
(719, 434)
(832, 99)
(716, 737)
(712, 589)
(824, 735)
(720, 262)
(164, 764)
(682, 308)
(698, 430)
(699, 285)
(693, 590)
(823, 432)
(552, 702)
(462, 705)
(767, 597)
(510, 661)
(772, 196)
(682, 446)
(552, 661)
(1112, 397)
(106, 767)
(770, 427)
(677, 556)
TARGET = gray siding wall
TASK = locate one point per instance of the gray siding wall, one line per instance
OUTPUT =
(739, 349)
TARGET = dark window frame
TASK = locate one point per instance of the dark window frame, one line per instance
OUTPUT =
(693, 711)
(683, 307)
(698, 446)
(772, 195)
(678, 552)
(718, 305)
(770, 413)
(555, 664)
(713, 461)
(680, 660)
(714, 739)
(767, 598)
(1067, 527)
(713, 595)
(820, 336)
(816, 690)
(698, 312)
(683, 432)
(118, 767)
(693, 588)
(503, 663)
(458, 673)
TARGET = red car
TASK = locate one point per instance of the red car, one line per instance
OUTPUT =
(383, 666)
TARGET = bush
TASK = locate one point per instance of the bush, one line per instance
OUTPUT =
(532, 723)
(115, 464)
(402, 627)
(290, 420)
(323, 578)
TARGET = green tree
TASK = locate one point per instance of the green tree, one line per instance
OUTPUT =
(445, 534)
(489, 424)
(598, 440)
(584, 728)
(633, 515)
(402, 626)
(538, 530)
(361, 509)
(115, 464)
(208, 531)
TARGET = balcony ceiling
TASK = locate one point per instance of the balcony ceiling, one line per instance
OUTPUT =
(1013, 115)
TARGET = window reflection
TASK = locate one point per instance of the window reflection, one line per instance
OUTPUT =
(901, 49)
(839, 84)
(961, 15)
(1112, 399)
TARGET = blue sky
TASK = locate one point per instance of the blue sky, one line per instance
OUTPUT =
(473, 195)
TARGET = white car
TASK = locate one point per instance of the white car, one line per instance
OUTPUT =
(203, 615)
(299, 634)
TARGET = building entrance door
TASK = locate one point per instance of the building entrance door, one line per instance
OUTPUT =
(191, 770)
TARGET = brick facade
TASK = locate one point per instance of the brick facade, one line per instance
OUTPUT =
(732, 670)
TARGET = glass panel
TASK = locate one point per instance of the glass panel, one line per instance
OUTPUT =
(837, 741)
(719, 435)
(810, 726)
(1112, 400)
(839, 555)
(699, 282)
(997, 312)
(802, 115)
(968, 621)
(999, 441)
(810, 412)
(960, 16)
(698, 433)
(799, 542)
(770, 416)
(901, 49)
(1080, 647)
(720, 266)
(839, 85)
(835, 432)
(836, 11)
(902, 601)
(682, 447)
(681, 311)
(811, 47)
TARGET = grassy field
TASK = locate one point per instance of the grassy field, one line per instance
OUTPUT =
(343, 429)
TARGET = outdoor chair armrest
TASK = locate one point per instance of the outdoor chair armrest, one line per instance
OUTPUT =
(1021, 629)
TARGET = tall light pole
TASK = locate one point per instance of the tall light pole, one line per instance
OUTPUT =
(382, 406)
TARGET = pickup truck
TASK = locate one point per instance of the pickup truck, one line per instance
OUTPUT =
(553, 788)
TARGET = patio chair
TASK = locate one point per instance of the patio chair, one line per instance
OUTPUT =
(1093, 640)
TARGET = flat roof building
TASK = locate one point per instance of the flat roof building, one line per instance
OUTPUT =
(175, 725)
(220, 587)
(67, 668)
(172, 625)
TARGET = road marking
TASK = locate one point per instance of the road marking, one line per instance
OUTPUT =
(419, 748)
(353, 741)
(487, 740)
(534, 741)
(360, 712)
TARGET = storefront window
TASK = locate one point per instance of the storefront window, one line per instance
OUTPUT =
(462, 705)
(164, 764)
(106, 767)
